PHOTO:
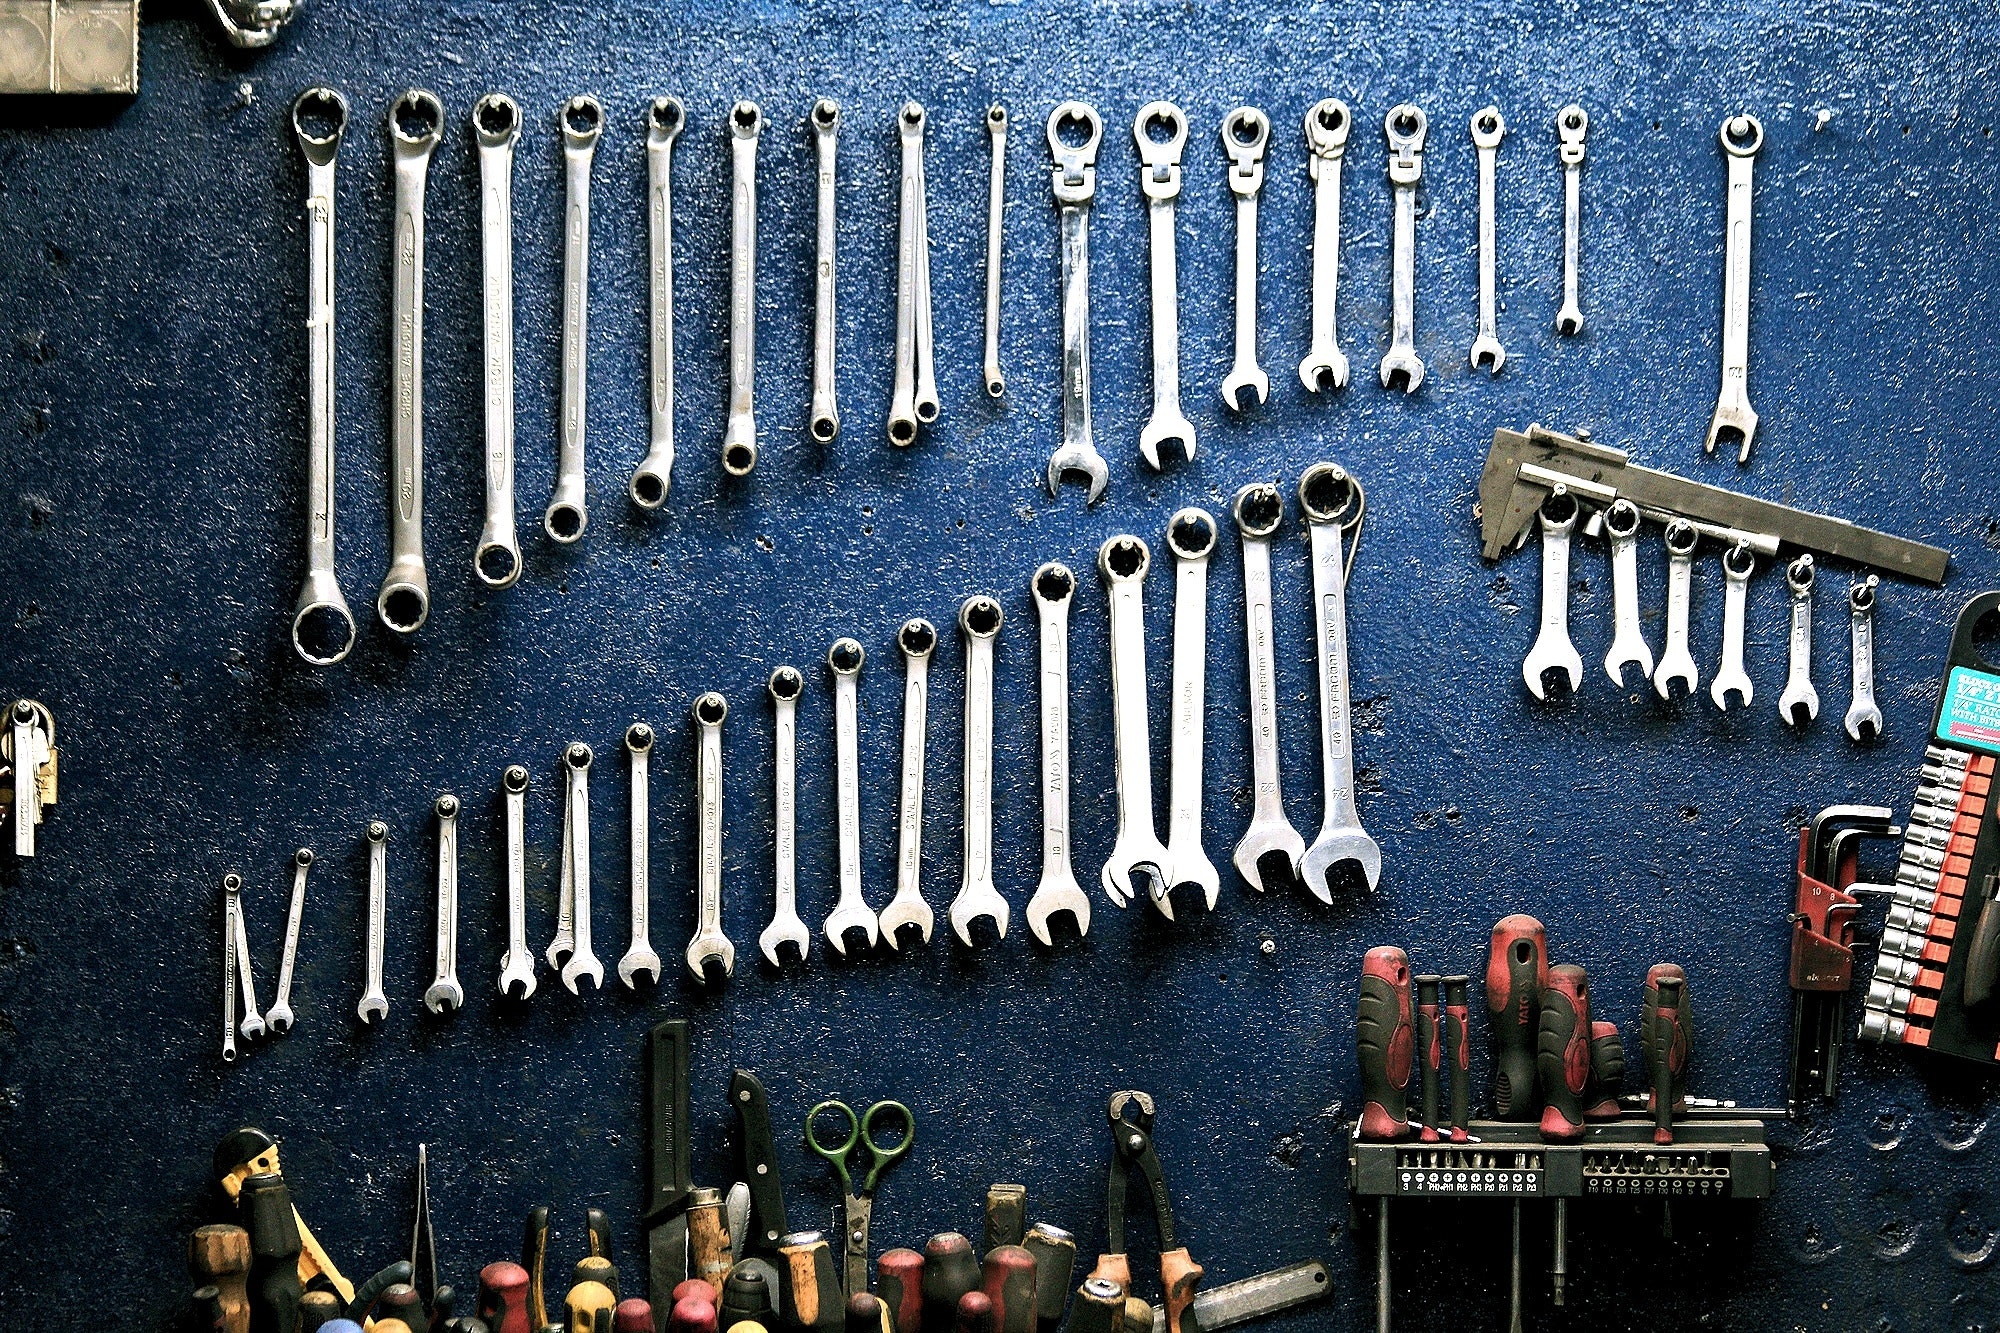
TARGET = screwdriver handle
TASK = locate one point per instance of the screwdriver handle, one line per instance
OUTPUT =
(1429, 1052)
(950, 1270)
(1006, 1216)
(1517, 967)
(1100, 1307)
(1666, 1028)
(534, 1256)
(1008, 1279)
(587, 1308)
(899, 1282)
(1458, 1052)
(1384, 1039)
(809, 1293)
(266, 1209)
(503, 1298)
(975, 1313)
(219, 1257)
(1055, 1261)
(1180, 1274)
(1607, 1071)
(631, 1315)
(708, 1238)
(1563, 1053)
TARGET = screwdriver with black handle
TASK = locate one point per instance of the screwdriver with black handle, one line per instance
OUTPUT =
(1517, 968)
(1429, 1053)
(1563, 1053)
(1385, 1039)
(1458, 1055)
(1666, 1032)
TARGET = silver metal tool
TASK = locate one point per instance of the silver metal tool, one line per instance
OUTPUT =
(32, 762)
(575, 883)
(1123, 562)
(322, 626)
(1741, 137)
(496, 125)
(1738, 563)
(739, 437)
(1405, 126)
(1074, 182)
(1799, 704)
(916, 401)
(1259, 508)
(374, 1006)
(851, 911)
(1053, 586)
(1628, 641)
(249, 24)
(1572, 123)
(1191, 536)
(1488, 129)
(1327, 125)
(1245, 132)
(1335, 506)
(996, 190)
(825, 422)
(654, 477)
(1864, 720)
(918, 640)
(785, 686)
(416, 122)
(517, 965)
(581, 121)
(979, 623)
(640, 956)
(1160, 181)
(232, 885)
(1553, 650)
(251, 1023)
(1258, 1297)
(709, 947)
(1677, 659)
(445, 992)
(278, 1018)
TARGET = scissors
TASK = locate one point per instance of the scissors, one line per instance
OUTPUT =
(859, 1195)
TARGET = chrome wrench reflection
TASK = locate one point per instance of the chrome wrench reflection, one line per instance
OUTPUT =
(1864, 720)
(1074, 183)
(654, 476)
(445, 992)
(1245, 132)
(568, 514)
(416, 122)
(1160, 181)
(1677, 660)
(1799, 704)
(1259, 509)
(851, 912)
(918, 640)
(1123, 562)
(739, 437)
(1628, 642)
(1738, 563)
(496, 123)
(1191, 536)
(785, 686)
(640, 956)
(1327, 125)
(576, 870)
(710, 948)
(979, 621)
(1334, 506)
(517, 965)
(1553, 650)
(1053, 586)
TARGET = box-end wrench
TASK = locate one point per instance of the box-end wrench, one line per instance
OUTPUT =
(232, 885)
(1799, 704)
(1488, 129)
(1404, 127)
(709, 953)
(496, 124)
(1122, 562)
(322, 626)
(739, 437)
(374, 1006)
(416, 122)
(1741, 137)
(1054, 586)
(785, 686)
(915, 402)
(1074, 183)
(1334, 506)
(1245, 132)
(824, 423)
(851, 912)
(918, 640)
(1552, 650)
(1571, 125)
(1327, 125)
(251, 1023)
(1269, 851)
(1738, 563)
(979, 623)
(654, 476)
(1191, 536)
(1160, 181)
(1864, 720)
(996, 195)
(576, 869)
(517, 965)
(445, 992)
(1628, 641)
(1677, 658)
(640, 956)
(278, 1018)
(581, 122)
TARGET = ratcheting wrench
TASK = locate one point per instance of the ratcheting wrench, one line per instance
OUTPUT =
(278, 1018)
(709, 944)
(1327, 124)
(916, 401)
(1677, 660)
(1259, 509)
(1628, 642)
(1074, 182)
(1335, 505)
(851, 911)
(1738, 563)
(739, 437)
(1864, 720)
(825, 419)
(1123, 562)
(416, 122)
(1741, 137)
(517, 965)
(374, 1004)
(496, 124)
(996, 189)
(1245, 132)
(582, 121)
(1799, 704)
(1160, 181)
(1487, 130)
(1553, 650)
(1191, 536)
(918, 640)
(1571, 125)
(640, 956)
(251, 1024)
(1404, 126)
(654, 476)
(445, 992)
(575, 883)
(979, 621)
(1053, 586)
(785, 686)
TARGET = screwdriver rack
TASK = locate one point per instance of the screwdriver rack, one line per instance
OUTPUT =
(1727, 1159)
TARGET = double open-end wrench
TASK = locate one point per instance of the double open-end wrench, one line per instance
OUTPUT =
(1738, 563)
(709, 947)
(640, 956)
(445, 992)
(1404, 126)
(1123, 562)
(517, 965)
(654, 476)
(1799, 704)
(1628, 642)
(575, 882)
(785, 686)
(416, 121)
(851, 912)
(251, 1023)
(1191, 536)
(1053, 586)
(1864, 720)
(232, 885)
(739, 436)
(825, 420)
(581, 121)
(1334, 506)
(1245, 132)
(1074, 183)
(322, 626)
(979, 623)
(1571, 125)
(496, 124)
(915, 402)
(1677, 658)
(1160, 181)
(1741, 137)
(374, 1005)
(1327, 124)
(996, 194)
(1270, 848)
(1553, 650)
(1488, 129)
(278, 1018)
(918, 640)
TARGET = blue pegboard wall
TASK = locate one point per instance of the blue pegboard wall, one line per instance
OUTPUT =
(154, 377)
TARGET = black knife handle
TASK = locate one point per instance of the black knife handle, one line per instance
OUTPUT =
(670, 1173)
(760, 1164)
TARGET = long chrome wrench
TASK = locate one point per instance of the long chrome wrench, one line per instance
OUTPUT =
(1799, 704)
(374, 1004)
(1122, 562)
(979, 624)
(1677, 657)
(1404, 126)
(1259, 508)
(1074, 184)
(1571, 125)
(251, 1023)
(739, 437)
(232, 885)
(825, 424)
(416, 121)
(785, 686)
(1334, 506)
(710, 946)
(1628, 641)
(1160, 182)
(1054, 586)
(1738, 563)
(496, 124)
(568, 514)
(517, 965)
(445, 992)
(1245, 132)
(915, 402)
(918, 640)
(996, 191)
(1327, 125)
(851, 911)
(1741, 137)
(1488, 128)
(1553, 649)
(1191, 536)
(575, 881)
(654, 477)
(1864, 719)
(640, 956)
(278, 1018)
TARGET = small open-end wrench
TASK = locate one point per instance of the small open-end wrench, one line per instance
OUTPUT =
(996, 197)
(1677, 658)
(918, 640)
(1799, 704)
(445, 992)
(915, 402)
(278, 1018)
(1123, 562)
(1245, 132)
(739, 436)
(1074, 183)
(1160, 181)
(1553, 650)
(1334, 506)
(640, 957)
(517, 965)
(1628, 642)
(785, 686)
(1191, 536)
(709, 948)
(1053, 586)
(851, 912)
(825, 419)
(1738, 563)
(654, 476)
(1488, 129)
(322, 626)
(496, 124)
(1572, 123)
(1864, 720)
(1741, 137)
(1270, 848)
(374, 1006)
(568, 514)
(416, 122)
(1327, 124)
(232, 885)
(1404, 126)
(251, 1023)
(979, 623)
(576, 869)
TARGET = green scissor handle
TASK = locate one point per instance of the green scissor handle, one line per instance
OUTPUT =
(861, 1133)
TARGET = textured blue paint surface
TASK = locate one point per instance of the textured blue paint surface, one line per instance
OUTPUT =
(152, 268)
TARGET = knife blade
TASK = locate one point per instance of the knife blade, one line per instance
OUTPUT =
(760, 1164)
(670, 1174)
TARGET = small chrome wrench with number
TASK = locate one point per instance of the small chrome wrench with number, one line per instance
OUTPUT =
(1738, 563)
(654, 476)
(1191, 536)
(1334, 506)
(996, 189)
(1864, 719)
(1245, 132)
(1404, 126)
(1053, 586)
(575, 883)
(445, 992)
(1571, 125)
(739, 436)
(374, 1004)
(1628, 642)
(915, 402)
(1553, 650)
(278, 1018)
(640, 956)
(416, 121)
(517, 965)
(709, 945)
(1799, 704)
(496, 124)
(825, 420)
(1327, 124)
(918, 640)
(232, 885)
(1160, 181)
(568, 514)
(1488, 129)
(851, 912)
(1741, 137)
(251, 1024)
(1074, 182)
(785, 686)
(1123, 562)
(1259, 509)
(979, 622)
(1677, 659)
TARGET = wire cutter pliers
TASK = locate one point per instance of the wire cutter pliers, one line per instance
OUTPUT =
(1132, 1145)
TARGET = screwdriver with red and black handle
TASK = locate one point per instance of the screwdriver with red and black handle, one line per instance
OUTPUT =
(1385, 1039)
(1430, 1055)
(1666, 1034)
(1517, 968)
(1458, 1055)
(1563, 1053)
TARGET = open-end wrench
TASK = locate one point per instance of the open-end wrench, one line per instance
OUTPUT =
(709, 947)
(1123, 562)
(1487, 130)
(654, 476)
(232, 885)
(322, 626)
(785, 686)
(1053, 586)
(1864, 720)
(374, 1006)
(1160, 181)
(979, 623)
(1799, 704)
(1270, 848)
(1741, 137)
(640, 956)
(918, 640)
(825, 421)
(251, 1023)
(1191, 536)
(278, 1018)
(1628, 642)
(1738, 563)
(576, 869)
(915, 402)
(739, 436)
(1553, 650)
(1245, 132)
(1677, 658)
(1074, 183)
(996, 195)
(851, 912)
(1334, 506)
(1405, 126)
(1327, 124)
(496, 124)
(1571, 125)
(445, 992)
(416, 121)
(581, 121)
(517, 965)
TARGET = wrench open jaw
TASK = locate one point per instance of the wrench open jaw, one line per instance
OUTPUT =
(1327, 125)
(517, 965)
(1245, 132)
(1191, 536)
(640, 958)
(1628, 642)
(1404, 127)
(1738, 563)
(1334, 506)
(1553, 650)
(1488, 129)
(1864, 720)
(851, 913)
(710, 952)
(1053, 586)
(1074, 183)
(907, 909)
(445, 993)
(1160, 181)
(786, 928)
(1741, 137)
(1677, 659)
(1122, 562)
(374, 1005)
(1799, 704)
(575, 880)
(979, 622)
(1268, 853)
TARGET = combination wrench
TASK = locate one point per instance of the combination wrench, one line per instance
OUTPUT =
(1628, 641)
(374, 1006)
(1053, 586)
(1488, 129)
(1677, 658)
(654, 476)
(1864, 720)
(1404, 127)
(278, 1018)
(232, 885)
(709, 945)
(1799, 704)
(517, 965)
(1191, 536)
(445, 992)
(851, 912)
(575, 882)
(1074, 183)
(1245, 132)
(322, 626)
(825, 419)
(739, 436)
(1270, 849)
(416, 122)
(1571, 126)
(1122, 562)
(1738, 563)
(1327, 125)
(251, 1024)
(1160, 180)
(1741, 137)
(1334, 506)
(918, 640)
(1553, 650)
(785, 686)
(582, 121)
(640, 956)
(916, 400)
(496, 125)
(979, 622)
(996, 192)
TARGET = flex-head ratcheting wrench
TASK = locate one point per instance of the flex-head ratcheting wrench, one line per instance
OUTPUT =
(1799, 704)
(496, 124)
(374, 1006)
(996, 189)
(251, 1024)
(918, 640)
(640, 957)
(1677, 659)
(1160, 181)
(517, 965)
(709, 945)
(979, 622)
(825, 420)
(1738, 563)
(568, 514)
(1245, 132)
(1191, 536)
(1054, 586)
(278, 1018)
(739, 437)
(1259, 509)
(1327, 124)
(445, 992)
(654, 476)
(915, 402)
(1334, 506)
(1864, 720)
(785, 686)
(1553, 650)
(1741, 137)
(1074, 182)
(850, 912)
(575, 882)
(1123, 562)
(416, 121)
(1628, 642)
(1487, 130)
(1405, 126)
(1571, 125)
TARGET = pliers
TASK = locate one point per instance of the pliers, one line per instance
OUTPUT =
(1132, 1145)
